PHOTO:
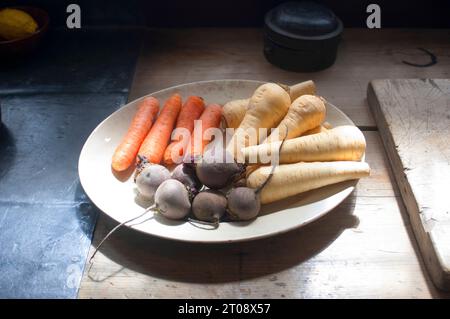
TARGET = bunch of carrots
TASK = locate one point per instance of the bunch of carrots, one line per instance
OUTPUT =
(149, 134)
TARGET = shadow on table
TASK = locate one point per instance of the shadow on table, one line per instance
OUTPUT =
(220, 263)
(86, 212)
(7, 150)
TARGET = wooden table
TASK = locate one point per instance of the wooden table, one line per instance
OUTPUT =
(362, 249)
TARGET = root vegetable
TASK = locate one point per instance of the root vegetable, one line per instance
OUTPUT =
(293, 179)
(186, 175)
(267, 107)
(216, 173)
(234, 111)
(158, 138)
(150, 178)
(343, 143)
(125, 153)
(305, 113)
(302, 88)
(191, 111)
(327, 125)
(172, 199)
(210, 118)
(318, 129)
(243, 203)
(209, 206)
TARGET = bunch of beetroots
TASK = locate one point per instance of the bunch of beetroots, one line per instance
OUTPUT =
(178, 194)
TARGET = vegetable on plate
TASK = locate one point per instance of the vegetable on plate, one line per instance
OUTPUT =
(148, 178)
(293, 179)
(234, 111)
(210, 118)
(191, 111)
(267, 107)
(305, 113)
(158, 138)
(172, 200)
(343, 143)
(126, 152)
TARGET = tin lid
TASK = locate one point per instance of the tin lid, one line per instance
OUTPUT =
(303, 20)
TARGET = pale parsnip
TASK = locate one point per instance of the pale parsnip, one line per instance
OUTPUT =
(327, 125)
(267, 107)
(302, 88)
(317, 129)
(292, 179)
(305, 113)
(343, 143)
(234, 111)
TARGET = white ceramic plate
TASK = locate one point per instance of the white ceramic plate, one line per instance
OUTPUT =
(117, 198)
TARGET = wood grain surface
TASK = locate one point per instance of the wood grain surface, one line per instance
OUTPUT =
(171, 57)
(363, 248)
(414, 121)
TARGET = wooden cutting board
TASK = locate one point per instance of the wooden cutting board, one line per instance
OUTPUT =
(413, 118)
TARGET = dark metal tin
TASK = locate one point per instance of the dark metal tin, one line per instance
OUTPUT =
(301, 36)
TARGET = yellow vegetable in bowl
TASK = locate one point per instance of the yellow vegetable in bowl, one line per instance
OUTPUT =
(343, 143)
(267, 107)
(16, 24)
(234, 111)
(296, 178)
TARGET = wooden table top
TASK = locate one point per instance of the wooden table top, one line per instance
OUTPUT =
(364, 248)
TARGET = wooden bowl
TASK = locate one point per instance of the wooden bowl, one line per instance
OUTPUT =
(21, 47)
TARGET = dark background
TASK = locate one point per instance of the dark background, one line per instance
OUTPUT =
(241, 13)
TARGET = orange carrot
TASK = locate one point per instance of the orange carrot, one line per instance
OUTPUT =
(191, 111)
(126, 152)
(157, 139)
(210, 118)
